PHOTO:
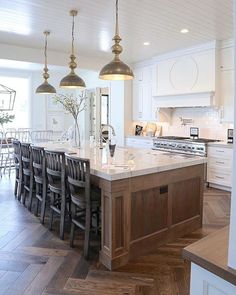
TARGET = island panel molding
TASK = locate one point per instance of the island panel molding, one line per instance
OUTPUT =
(141, 213)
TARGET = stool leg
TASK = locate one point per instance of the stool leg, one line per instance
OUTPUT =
(24, 190)
(31, 185)
(72, 228)
(51, 210)
(63, 213)
(87, 232)
(43, 205)
(72, 234)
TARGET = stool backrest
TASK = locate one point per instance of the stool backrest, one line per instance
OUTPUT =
(78, 176)
(38, 161)
(25, 155)
(55, 166)
(17, 151)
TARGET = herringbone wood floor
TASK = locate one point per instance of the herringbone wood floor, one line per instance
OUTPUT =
(35, 261)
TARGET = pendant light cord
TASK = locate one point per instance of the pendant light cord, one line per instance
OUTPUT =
(73, 37)
(45, 49)
(117, 25)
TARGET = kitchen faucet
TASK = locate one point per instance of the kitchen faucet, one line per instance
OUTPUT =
(101, 137)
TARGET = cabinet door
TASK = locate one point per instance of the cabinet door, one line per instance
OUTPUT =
(137, 101)
(227, 95)
(146, 101)
(227, 58)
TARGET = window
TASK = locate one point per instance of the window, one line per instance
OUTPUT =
(22, 103)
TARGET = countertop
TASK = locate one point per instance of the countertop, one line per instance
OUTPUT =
(141, 137)
(211, 253)
(127, 162)
(222, 144)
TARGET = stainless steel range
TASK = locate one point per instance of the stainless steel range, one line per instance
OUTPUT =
(184, 145)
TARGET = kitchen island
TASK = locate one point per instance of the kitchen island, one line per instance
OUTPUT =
(148, 198)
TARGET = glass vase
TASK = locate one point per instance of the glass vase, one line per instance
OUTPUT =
(75, 135)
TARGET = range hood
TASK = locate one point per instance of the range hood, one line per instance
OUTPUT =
(200, 99)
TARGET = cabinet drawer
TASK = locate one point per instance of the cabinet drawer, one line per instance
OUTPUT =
(225, 163)
(218, 177)
(220, 152)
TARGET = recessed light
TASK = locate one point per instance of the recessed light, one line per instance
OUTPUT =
(146, 43)
(184, 31)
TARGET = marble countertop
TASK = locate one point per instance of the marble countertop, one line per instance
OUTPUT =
(141, 137)
(127, 162)
(221, 144)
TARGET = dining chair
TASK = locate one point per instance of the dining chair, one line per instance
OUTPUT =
(40, 180)
(22, 136)
(56, 176)
(85, 199)
(18, 169)
(42, 135)
(2, 151)
(27, 171)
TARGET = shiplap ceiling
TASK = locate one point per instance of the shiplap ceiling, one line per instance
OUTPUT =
(156, 21)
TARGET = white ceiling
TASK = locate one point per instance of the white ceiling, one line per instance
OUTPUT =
(157, 21)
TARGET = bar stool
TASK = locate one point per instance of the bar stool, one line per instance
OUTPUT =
(85, 199)
(55, 169)
(40, 180)
(27, 170)
(18, 169)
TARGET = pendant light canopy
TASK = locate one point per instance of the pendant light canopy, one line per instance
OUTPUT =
(72, 80)
(116, 69)
(45, 88)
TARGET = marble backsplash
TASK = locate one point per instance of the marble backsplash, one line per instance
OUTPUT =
(208, 120)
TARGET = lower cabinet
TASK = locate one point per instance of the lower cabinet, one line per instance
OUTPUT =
(204, 282)
(219, 166)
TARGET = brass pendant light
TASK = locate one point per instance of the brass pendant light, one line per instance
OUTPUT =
(116, 69)
(45, 87)
(72, 80)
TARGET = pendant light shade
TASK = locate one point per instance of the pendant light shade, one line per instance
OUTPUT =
(45, 87)
(116, 69)
(72, 80)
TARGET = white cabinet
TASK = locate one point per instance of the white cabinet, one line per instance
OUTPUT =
(186, 74)
(219, 166)
(227, 95)
(142, 95)
(227, 58)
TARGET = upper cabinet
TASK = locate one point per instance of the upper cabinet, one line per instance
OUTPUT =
(227, 58)
(190, 73)
(142, 94)
(227, 95)
(226, 89)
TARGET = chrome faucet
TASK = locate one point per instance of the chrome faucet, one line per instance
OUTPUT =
(101, 137)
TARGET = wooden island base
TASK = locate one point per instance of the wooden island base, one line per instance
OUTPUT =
(141, 213)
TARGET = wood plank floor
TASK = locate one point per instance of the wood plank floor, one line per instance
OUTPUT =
(35, 261)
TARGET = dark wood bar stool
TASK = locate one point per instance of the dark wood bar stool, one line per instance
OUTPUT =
(55, 169)
(85, 199)
(40, 180)
(27, 171)
(18, 169)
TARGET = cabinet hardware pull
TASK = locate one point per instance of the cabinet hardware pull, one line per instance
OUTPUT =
(220, 162)
(220, 151)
